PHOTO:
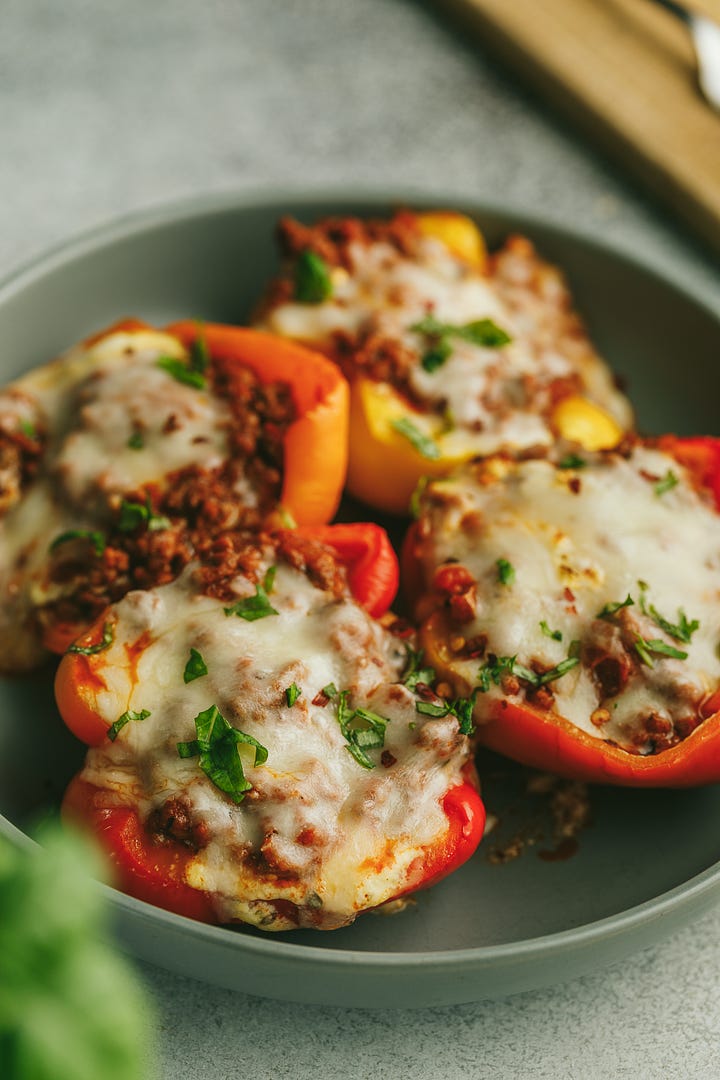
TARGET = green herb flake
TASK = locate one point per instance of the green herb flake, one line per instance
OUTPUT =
(361, 728)
(258, 606)
(655, 647)
(182, 372)
(414, 672)
(195, 667)
(28, 429)
(313, 281)
(115, 729)
(556, 635)
(682, 630)
(292, 693)
(414, 507)
(96, 539)
(557, 672)
(330, 691)
(667, 483)
(497, 666)
(572, 461)
(105, 643)
(612, 609)
(505, 572)
(424, 445)
(199, 352)
(134, 515)
(434, 357)
(460, 708)
(216, 746)
(136, 441)
(483, 332)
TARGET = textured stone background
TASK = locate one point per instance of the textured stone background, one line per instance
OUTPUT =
(109, 107)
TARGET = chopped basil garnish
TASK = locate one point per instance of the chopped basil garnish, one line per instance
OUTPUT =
(116, 728)
(258, 606)
(460, 708)
(494, 669)
(436, 355)
(414, 507)
(612, 609)
(479, 332)
(424, 445)
(96, 539)
(557, 672)
(505, 572)
(556, 635)
(217, 747)
(199, 353)
(572, 461)
(313, 282)
(136, 441)
(330, 691)
(292, 693)
(182, 372)
(105, 643)
(647, 649)
(133, 515)
(682, 630)
(362, 729)
(28, 429)
(195, 667)
(414, 672)
(668, 482)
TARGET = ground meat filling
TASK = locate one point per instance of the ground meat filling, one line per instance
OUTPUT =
(237, 554)
(150, 534)
(22, 444)
(388, 276)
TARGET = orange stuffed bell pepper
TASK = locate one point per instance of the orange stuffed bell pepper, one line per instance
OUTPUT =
(137, 446)
(450, 353)
(575, 603)
(257, 754)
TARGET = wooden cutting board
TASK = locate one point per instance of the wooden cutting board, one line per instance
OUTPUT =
(625, 71)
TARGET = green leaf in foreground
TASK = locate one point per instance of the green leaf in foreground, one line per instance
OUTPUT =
(70, 1006)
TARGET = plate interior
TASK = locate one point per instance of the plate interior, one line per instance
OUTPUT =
(211, 263)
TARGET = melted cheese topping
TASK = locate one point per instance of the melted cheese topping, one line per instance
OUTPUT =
(490, 398)
(91, 401)
(577, 542)
(335, 838)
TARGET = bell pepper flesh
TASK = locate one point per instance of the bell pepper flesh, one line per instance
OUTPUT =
(371, 562)
(315, 451)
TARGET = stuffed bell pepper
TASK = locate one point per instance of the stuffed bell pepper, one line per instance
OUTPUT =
(575, 601)
(125, 454)
(256, 750)
(450, 352)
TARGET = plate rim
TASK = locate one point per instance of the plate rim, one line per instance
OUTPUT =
(690, 893)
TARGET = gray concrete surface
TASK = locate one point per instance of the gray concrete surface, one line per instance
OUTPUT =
(108, 107)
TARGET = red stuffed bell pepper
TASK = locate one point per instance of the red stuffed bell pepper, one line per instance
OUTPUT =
(256, 756)
(137, 445)
(575, 603)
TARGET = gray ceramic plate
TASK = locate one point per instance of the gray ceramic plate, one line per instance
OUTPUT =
(648, 863)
